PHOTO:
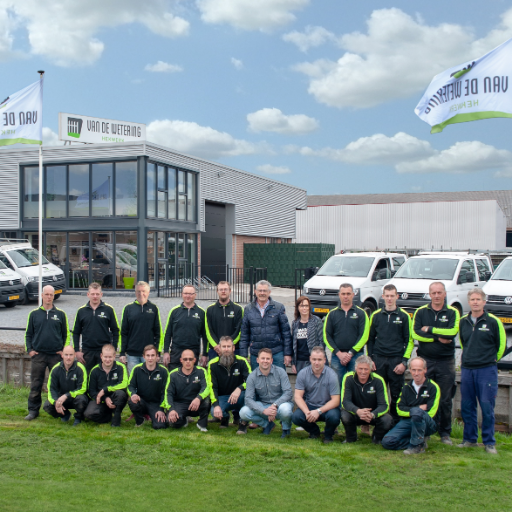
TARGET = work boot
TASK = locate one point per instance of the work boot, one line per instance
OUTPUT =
(76, 422)
(415, 450)
(66, 416)
(467, 444)
(446, 440)
(242, 427)
(31, 416)
(490, 448)
(116, 420)
(224, 422)
(271, 425)
(285, 433)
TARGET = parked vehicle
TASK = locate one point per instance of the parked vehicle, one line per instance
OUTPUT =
(458, 271)
(499, 292)
(12, 290)
(22, 258)
(367, 272)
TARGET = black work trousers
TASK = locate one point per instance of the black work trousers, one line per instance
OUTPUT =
(150, 408)
(39, 363)
(183, 411)
(383, 424)
(91, 358)
(79, 404)
(384, 368)
(102, 413)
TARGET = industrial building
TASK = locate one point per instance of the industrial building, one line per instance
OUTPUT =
(447, 220)
(112, 212)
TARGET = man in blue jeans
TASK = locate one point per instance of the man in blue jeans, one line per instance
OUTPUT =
(317, 396)
(417, 406)
(483, 341)
(346, 330)
(268, 396)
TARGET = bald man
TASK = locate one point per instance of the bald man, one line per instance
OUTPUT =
(67, 385)
(46, 335)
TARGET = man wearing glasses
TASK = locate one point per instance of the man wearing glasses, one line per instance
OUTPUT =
(184, 330)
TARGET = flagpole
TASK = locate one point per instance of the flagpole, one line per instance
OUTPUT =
(40, 284)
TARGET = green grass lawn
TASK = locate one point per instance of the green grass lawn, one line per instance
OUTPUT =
(48, 465)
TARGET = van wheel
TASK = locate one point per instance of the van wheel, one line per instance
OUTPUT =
(24, 301)
(11, 304)
(458, 307)
(369, 307)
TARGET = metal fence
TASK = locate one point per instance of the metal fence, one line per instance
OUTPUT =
(301, 276)
(168, 280)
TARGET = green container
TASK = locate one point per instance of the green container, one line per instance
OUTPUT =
(128, 283)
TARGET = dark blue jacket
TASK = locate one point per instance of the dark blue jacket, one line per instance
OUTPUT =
(270, 331)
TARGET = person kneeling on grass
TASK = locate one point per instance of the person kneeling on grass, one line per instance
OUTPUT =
(146, 389)
(317, 395)
(365, 402)
(268, 396)
(187, 393)
(107, 389)
(417, 406)
(67, 384)
(228, 374)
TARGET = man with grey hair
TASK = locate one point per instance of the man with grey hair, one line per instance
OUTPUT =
(365, 401)
(265, 325)
(483, 341)
(435, 326)
(346, 330)
(140, 326)
(45, 337)
(417, 406)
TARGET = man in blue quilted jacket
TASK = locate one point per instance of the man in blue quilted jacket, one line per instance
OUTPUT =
(265, 325)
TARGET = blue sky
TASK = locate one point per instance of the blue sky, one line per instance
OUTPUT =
(316, 93)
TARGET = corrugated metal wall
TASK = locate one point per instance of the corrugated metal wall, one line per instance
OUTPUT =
(457, 225)
(264, 207)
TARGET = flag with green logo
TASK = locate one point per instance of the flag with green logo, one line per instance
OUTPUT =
(478, 89)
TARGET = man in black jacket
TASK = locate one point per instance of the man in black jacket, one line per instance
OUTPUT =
(107, 389)
(46, 335)
(140, 326)
(223, 318)
(364, 398)
(67, 386)
(228, 374)
(435, 327)
(390, 344)
(187, 393)
(417, 406)
(483, 341)
(184, 330)
(97, 323)
(146, 389)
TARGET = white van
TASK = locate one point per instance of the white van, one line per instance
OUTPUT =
(367, 272)
(499, 292)
(459, 271)
(12, 290)
(20, 256)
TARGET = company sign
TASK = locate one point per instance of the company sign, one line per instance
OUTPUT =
(96, 130)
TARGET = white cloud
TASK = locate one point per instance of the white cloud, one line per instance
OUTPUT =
(397, 57)
(249, 14)
(50, 138)
(200, 141)
(273, 120)
(310, 38)
(238, 64)
(65, 31)
(272, 169)
(163, 67)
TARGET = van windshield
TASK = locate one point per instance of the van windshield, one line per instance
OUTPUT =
(428, 268)
(503, 272)
(349, 266)
(26, 257)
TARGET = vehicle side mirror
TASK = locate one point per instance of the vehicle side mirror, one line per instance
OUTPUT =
(470, 277)
(383, 274)
(375, 276)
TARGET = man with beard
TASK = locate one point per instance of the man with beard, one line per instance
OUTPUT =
(228, 374)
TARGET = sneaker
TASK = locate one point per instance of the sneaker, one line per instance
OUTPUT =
(270, 426)
(66, 416)
(467, 444)
(224, 423)
(314, 436)
(76, 422)
(490, 448)
(328, 440)
(298, 429)
(31, 416)
(202, 429)
(415, 450)
(242, 428)
(285, 433)
(139, 424)
(186, 423)
(446, 440)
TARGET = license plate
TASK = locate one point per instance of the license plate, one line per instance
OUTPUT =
(321, 310)
(14, 297)
(58, 291)
(506, 320)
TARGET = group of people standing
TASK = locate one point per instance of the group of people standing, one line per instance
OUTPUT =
(230, 359)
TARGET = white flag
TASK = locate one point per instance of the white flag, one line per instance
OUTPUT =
(474, 90)
(21, 116)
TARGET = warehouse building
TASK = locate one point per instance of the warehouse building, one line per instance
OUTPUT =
(447, 220)
(112, 212)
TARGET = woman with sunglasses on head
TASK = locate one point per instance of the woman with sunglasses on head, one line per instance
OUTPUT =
(306, 333)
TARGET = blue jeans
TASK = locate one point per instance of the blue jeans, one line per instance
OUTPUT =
(226, 406)
(331, 418)
(284, 414)
(278, 360)
(132, 361)
(342, 370)
(481, 383)
(411, 431)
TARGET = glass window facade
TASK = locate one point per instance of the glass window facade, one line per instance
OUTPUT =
(56, 191)
(102, 197)
(56, 245)
(31, 192)
(78, 196)
(126, 259)
(126, 189)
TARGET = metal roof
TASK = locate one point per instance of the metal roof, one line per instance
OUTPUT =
(503, 197)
